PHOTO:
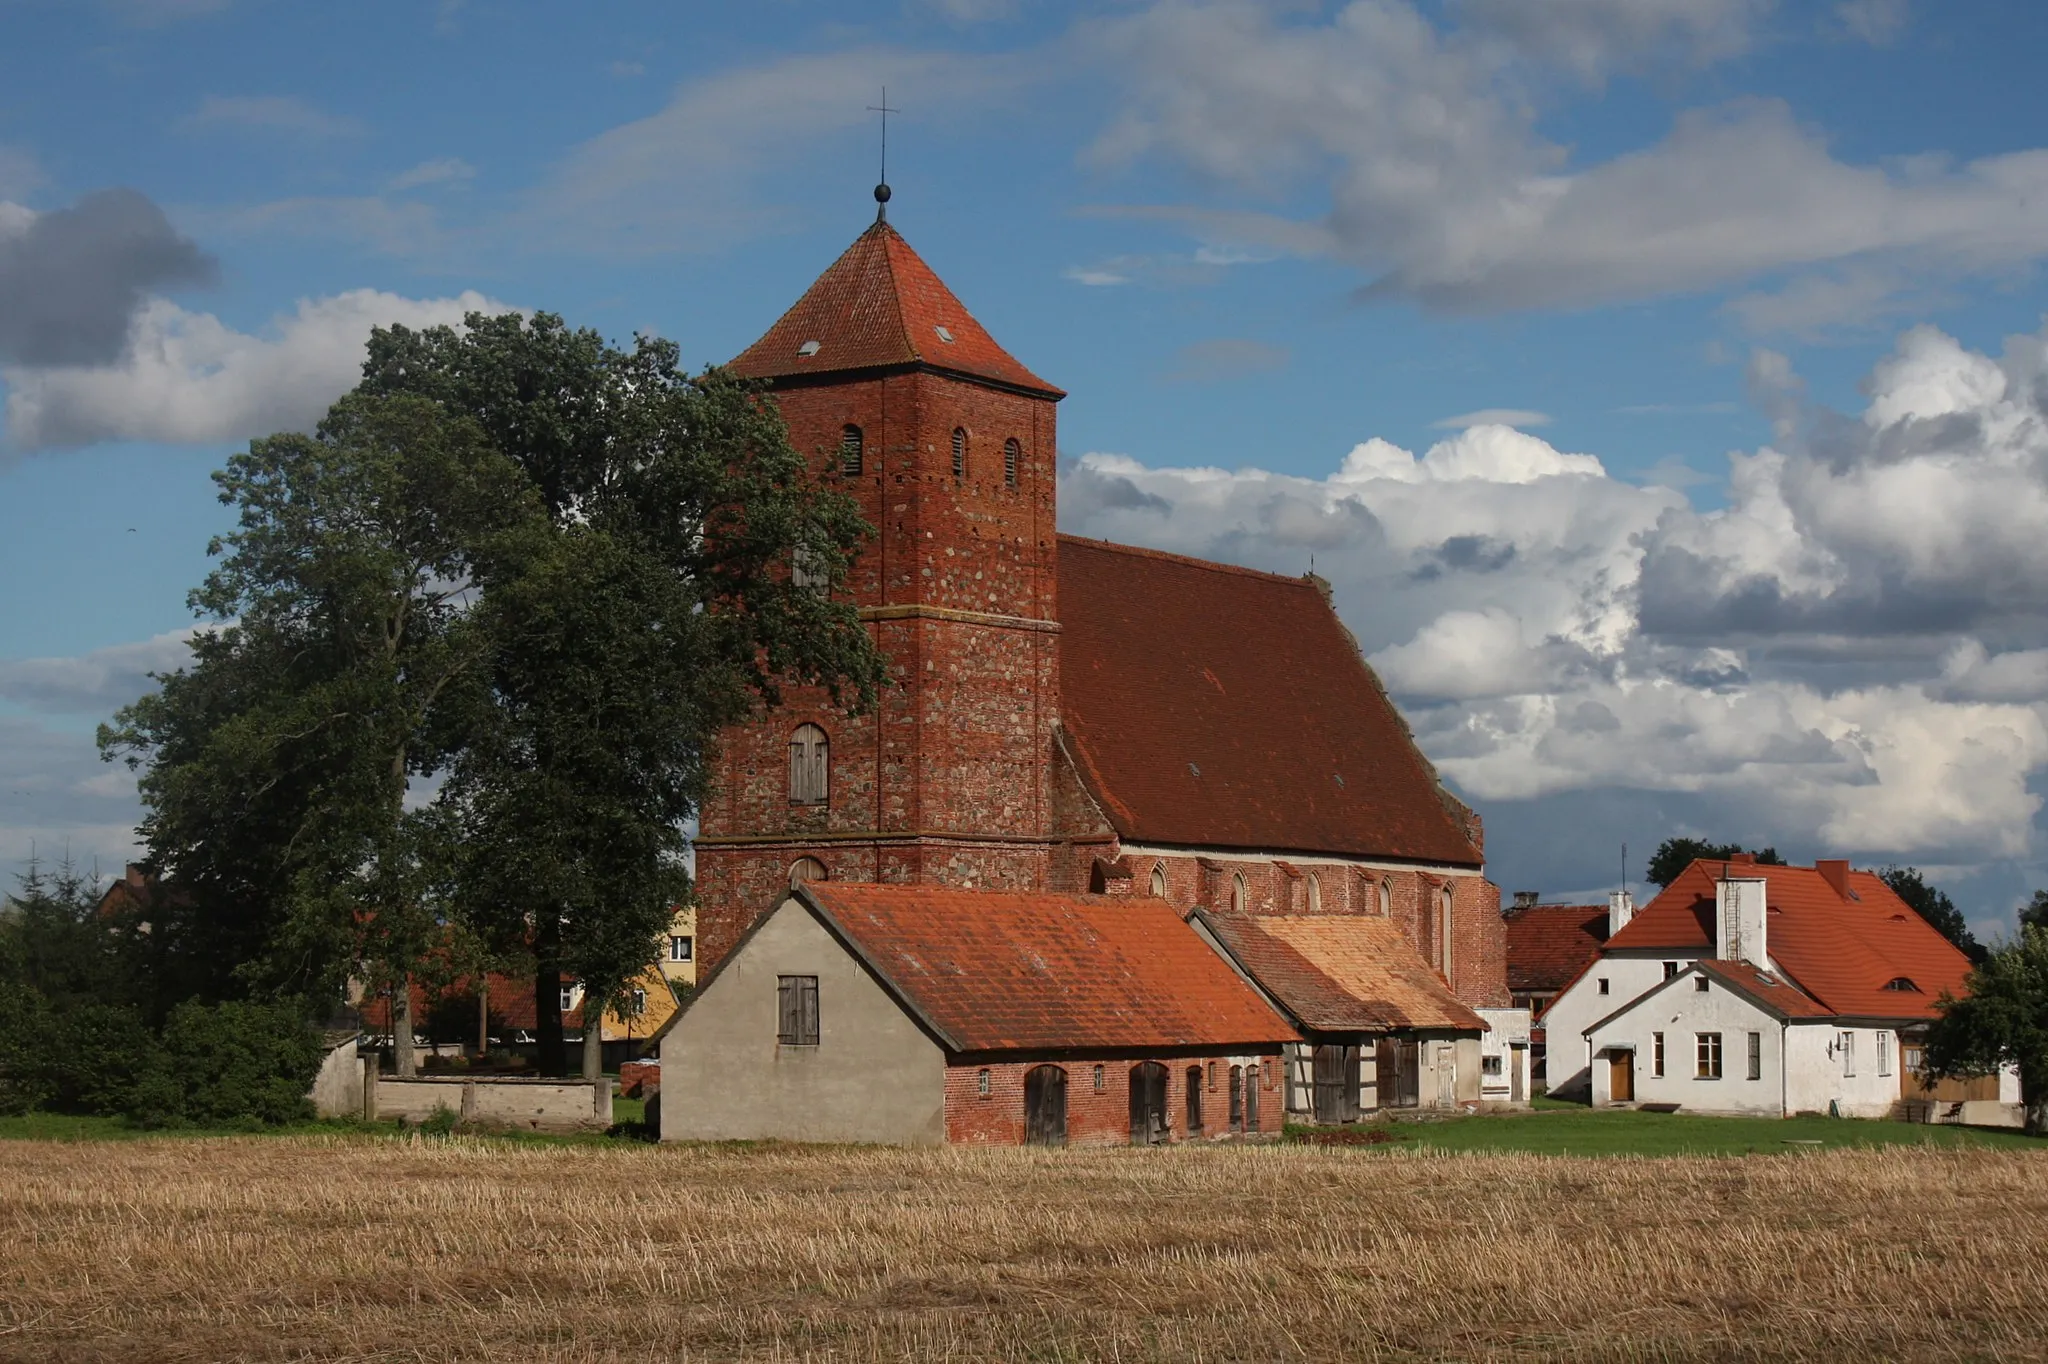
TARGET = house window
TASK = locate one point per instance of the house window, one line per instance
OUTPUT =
(1707, 1055)
(1159, 880)
(796, 1012)
(1237, 891)
(1756, 1056)
(1847, 1044)
(1902, 983)
(1699, 985)
(1915, 1060)
(959, 452)
(1603, 985)
(681, 947)
(1315, 894)
(806, 569)
(1670, 969)
(850, 451)
(1490, 1065)
(639, 1002)
(1657, 1054)
(568, 998)
(806, 869)
(1101, 1079)
(981, 1084)
(1013, 455)
(1884, 1053)
(810, 766)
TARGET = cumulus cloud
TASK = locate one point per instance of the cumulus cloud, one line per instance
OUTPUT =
(285, 114)
(1850, 655)
(58, 799)
(1494, 416)
(96, 683)
(1877, 22)
(1440, 186)
(72, 280)
(1226, 357)
(188, 378)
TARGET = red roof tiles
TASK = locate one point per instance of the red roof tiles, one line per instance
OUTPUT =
(1548, 945)
(1221, 707)
(1006, 970)
(1342, 972)
(1842, 950)
(880, 306)
(1780, 996)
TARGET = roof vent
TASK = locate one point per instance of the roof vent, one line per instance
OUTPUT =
(1194, 769)
(1339, 776)
(944, 335)
(809, 348)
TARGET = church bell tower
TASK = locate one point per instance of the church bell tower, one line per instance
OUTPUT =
(948, 444)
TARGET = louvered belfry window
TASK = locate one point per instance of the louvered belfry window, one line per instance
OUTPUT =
(796, 1011)
(850, 451)
(1013, 455)
(959, 452)
(810, 766)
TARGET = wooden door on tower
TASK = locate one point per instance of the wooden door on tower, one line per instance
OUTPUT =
(1148, 1104)
(1336, 1083)
(1621, 1077)
(1045, 1106)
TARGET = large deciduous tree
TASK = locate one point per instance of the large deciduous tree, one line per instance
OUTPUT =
(1674, 855)
(1933, 905)
(2002, 1020)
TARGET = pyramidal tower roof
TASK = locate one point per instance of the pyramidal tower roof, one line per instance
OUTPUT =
(879, 306)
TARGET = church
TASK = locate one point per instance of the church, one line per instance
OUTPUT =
(1091, 759)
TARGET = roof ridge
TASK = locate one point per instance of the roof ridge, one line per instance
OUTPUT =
(884, 232)
(1212, 565)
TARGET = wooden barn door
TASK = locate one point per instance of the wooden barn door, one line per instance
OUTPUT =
(1148, 1103)
(1237, 1098)
(1399, 1067)
(1194, 1127)
(1621, 1077)
(1336, 1082)
(1045, 1106)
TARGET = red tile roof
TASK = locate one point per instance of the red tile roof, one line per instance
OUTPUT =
(1771, 991)
(880, 306)
(1550, 944)
(1033, 971)
(1342, 972)
(1842, 950)
(1221, 707)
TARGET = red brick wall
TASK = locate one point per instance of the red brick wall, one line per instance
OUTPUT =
(635, 1076)
(1102, 1118)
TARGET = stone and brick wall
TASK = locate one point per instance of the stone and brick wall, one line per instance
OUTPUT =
(1102, 1117)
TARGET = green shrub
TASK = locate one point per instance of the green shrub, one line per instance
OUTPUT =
(234, 1064)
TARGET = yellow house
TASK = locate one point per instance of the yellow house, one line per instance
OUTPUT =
(655, 992)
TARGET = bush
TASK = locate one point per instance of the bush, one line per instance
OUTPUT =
(234, 1064)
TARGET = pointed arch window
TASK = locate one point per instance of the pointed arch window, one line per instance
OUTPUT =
(1315, 894)
(1444, 929)
(1159, 880)
(1386, 898)
(852, 449)
(1013, 455)
(959, 452)
(810, 766)
(1237, 891)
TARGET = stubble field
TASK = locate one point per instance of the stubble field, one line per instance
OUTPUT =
(445, 1249)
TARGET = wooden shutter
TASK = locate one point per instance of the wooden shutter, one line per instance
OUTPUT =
(787, 1011)
(807, 1010)
(850, 451)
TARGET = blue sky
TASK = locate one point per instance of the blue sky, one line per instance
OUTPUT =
(1250, 240)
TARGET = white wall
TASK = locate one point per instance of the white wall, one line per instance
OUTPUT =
(1506, 1036)
(1681, 1012)
(1815, 1078)
(1580, 1007)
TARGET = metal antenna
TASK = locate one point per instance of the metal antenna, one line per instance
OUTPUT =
(882, 189)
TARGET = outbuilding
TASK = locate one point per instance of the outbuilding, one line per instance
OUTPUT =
(925, 1014)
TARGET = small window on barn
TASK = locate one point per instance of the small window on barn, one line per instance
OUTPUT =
(1657, 1054)
(1603, 985)
(1237, 891)
(1490, 1065)
(1315, 894)
(959, 452)
(1386, 898)
(1013, 455)
(807, 869)
(1670, 969)
(810, 766)
(1101, 1079)
(981, 1083)
(1159, 880)
(796, 1011)
(851, 450)
(1700, 984)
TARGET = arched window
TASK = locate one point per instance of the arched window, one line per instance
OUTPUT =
(1237, 891)
(959, 452)
(1902, 983)
(1315, 894)
(1159, 880)
(850, 450)
(806, 869)
(1444, 929)
(806, 569)
(810, 766)
(1386, 898)
(1013, 455)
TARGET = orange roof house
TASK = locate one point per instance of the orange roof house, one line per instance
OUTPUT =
(1548, 945)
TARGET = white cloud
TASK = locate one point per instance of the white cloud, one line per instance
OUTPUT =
(443, 171)
(1851, 655)
(1224, 358)
(1877, 22)
(1494, 416)
(187, 378)
(1442, 189)
(58, 799)
(96, 683)
(284, 114)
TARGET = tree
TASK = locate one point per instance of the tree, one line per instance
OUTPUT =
(663, 609)
(1674, 855)
(2035, 911)
(1934, 906)
(276, 765)
(2002, 1020)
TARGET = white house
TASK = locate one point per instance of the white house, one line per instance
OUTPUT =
(1762, 989)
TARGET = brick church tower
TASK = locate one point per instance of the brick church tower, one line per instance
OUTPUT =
(948, 444)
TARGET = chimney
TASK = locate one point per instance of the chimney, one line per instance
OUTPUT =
(1836, 874)
(1526, 899)
(1739, 921)
(1621, 907)
(1744, 859)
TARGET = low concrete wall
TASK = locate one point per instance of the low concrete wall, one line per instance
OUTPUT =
(535, 1105)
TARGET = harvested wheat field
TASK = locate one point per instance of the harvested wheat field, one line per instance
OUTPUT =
(447, 1249)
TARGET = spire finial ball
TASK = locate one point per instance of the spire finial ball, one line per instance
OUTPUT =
(881, 194)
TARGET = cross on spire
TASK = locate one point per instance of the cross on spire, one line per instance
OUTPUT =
(882, 189)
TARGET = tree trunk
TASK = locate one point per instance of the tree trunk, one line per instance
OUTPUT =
(593, 1037)
(483, 1016)
(401, 1027)
(2034, 1097)
(553, 1052)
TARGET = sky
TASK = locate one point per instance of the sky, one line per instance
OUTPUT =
(1661, 384)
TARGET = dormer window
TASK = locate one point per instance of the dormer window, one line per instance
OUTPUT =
(808, 349)
(850, 451)
(1013, 455)
(944, 335)
(959, 452)
(1903, 984)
